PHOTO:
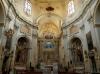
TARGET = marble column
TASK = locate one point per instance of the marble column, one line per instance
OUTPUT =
(85, 49)
(96, 41)
(34, 51)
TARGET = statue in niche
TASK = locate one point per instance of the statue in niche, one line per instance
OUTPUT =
(21, 53)
(18, 56)
(21, 57)
(79, 54)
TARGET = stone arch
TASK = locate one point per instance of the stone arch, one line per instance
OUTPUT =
(49, 29)
(75, 36)
(76, 51)
(18, 37)
(22, 52)
(49, 18)
(50, 15)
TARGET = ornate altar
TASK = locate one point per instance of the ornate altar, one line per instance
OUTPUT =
(48, 51)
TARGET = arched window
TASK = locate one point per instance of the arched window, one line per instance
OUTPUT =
(28, 7)
(71, 8)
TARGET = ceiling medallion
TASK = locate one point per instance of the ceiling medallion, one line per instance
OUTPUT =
(50, 8)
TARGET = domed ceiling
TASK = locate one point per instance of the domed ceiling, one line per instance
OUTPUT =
(40, 7)
(54, 12)
(50, 24)
(53, 6)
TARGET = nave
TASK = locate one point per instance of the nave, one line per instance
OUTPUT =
(49, 36)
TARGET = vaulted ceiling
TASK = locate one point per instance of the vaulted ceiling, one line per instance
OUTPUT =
(57, 7)
(46, 11)
(49, 24)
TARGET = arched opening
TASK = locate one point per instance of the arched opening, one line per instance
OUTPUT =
(76, 52)
(48, 41)
(49, 34)
(1, 19)
(97, 20)
(22, 50)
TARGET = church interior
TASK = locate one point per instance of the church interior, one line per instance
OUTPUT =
(49, 36)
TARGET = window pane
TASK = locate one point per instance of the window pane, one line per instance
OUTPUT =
(71, 7)
(27, 7)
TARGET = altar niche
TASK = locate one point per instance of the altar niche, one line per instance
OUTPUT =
(76, 52)
(48, 51)
(22, 50)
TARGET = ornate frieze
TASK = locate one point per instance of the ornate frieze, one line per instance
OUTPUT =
(26, 30)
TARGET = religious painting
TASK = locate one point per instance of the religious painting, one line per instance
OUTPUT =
(49, 45)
